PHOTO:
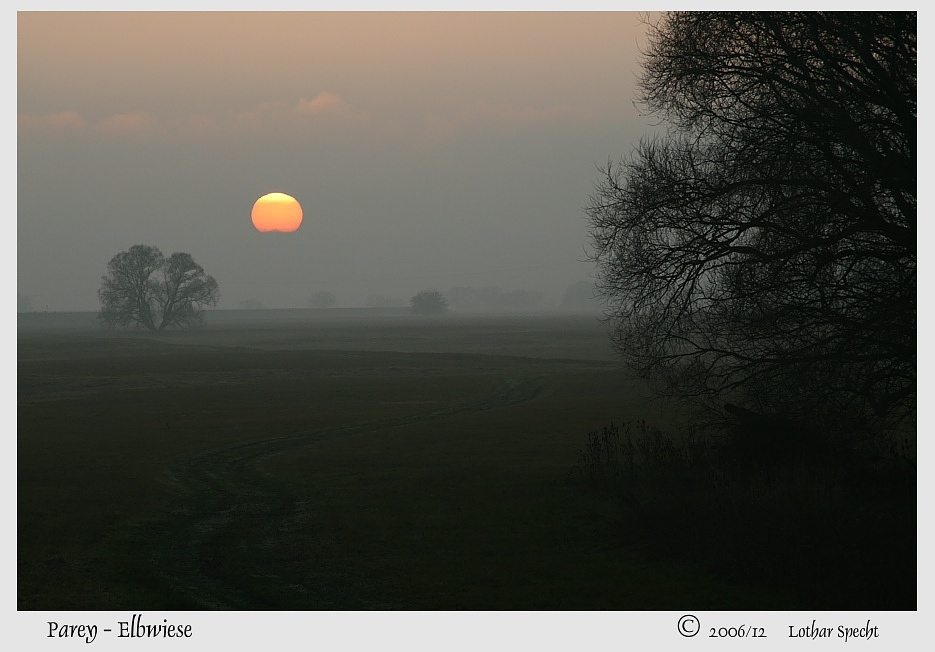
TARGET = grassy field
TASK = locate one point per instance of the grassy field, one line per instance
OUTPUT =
(333, 460)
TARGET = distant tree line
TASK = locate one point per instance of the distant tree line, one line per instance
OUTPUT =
(492, 298)
(383, 301)
(582, 295)
(323, 299)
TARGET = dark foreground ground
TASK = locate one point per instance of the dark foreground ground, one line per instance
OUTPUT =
(340, 460)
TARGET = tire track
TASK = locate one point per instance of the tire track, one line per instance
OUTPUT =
(223, 490)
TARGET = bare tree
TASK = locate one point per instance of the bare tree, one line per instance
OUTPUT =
(429, 302)
(143, 288)
(764, 247)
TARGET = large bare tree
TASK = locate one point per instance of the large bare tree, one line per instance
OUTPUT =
(143, 288)
(762, 248)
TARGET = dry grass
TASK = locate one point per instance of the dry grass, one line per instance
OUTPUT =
(834, 527)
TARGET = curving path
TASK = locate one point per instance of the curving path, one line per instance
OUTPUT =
(223, 491)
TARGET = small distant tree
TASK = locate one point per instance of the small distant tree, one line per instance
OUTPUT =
(323, 299)
(143, 288)
(429, 302)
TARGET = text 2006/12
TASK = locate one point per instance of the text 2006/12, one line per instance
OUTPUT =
(744, 631)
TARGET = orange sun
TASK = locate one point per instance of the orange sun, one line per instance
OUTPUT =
(276, 212)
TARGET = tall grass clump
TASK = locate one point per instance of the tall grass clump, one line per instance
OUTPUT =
(627, 458)
(822, 519)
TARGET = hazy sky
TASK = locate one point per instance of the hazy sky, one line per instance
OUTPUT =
(428, 150)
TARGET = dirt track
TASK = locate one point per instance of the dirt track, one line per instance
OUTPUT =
(224, 488)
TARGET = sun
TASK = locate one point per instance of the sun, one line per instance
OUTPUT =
(276, 211)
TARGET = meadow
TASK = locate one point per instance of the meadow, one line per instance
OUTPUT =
(341, 459)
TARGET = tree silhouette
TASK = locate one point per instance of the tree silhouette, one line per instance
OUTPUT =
(429, 302)
(764, 248)
(143, 288)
